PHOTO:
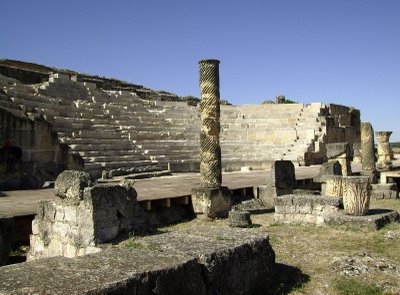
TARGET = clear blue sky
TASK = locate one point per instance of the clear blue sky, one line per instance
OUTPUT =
(338, 51)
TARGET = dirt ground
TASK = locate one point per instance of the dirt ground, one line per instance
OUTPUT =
(328, 260)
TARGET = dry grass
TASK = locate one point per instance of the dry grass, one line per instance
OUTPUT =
(306, 256)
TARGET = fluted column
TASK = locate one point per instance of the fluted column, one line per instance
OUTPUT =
(384, 161)
(210, 150)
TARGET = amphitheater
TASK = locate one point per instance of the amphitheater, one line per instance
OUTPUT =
(53, 120)
(65, 120)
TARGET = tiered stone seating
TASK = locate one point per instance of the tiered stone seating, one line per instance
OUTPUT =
(113, 129)
(268, 132)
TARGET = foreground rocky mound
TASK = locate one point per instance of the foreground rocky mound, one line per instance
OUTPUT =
(197, 260)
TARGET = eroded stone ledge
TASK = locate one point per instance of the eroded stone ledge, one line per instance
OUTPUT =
(197, 260)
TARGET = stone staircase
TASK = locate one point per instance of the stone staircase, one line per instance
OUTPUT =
(265, 133)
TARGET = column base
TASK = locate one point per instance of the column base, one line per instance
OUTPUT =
(212, 202)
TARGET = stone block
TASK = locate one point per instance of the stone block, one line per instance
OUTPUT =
(338, 149)
(282, 175)
(267, 194)
(70, 184)
(115, 211)
(212, 202)
(384, 191)
(328, 168)
(239, 218)
(200, 260)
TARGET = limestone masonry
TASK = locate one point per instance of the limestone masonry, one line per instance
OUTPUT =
(53, 119)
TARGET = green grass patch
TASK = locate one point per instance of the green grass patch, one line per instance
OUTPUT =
(351, 286)
(134, 245)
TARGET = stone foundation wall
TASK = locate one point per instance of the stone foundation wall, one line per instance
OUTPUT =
(305, 209)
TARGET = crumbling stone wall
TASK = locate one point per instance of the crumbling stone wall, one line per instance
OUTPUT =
(83, 217)
(43, 157)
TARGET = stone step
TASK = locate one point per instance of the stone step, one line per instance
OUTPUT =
(100, 147)
(110, 153)
(124, 158)
(118, 164)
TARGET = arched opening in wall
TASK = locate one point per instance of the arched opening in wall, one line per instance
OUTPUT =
(10, 165)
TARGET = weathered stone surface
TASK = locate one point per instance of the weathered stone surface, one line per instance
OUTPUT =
(305, 209)
(267, 193)
(239, 218)
(282, 175)
(328, 168)
(356, 194)
(357, 152)
(70, 229)
(70, 184)
(200, 260)
(384, 191)
(375, 219)
(367, 148)
(116, 271)
(212, 202)
(6, 232)
(234, 261)
(384, 159)
(338, 149)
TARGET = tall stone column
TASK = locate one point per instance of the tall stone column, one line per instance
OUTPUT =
(368, 150)
(384, 161)
(210, 150)
(210, 199)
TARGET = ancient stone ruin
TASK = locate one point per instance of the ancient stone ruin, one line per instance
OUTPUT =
(61, 119)
(211, 198)
(83, 217)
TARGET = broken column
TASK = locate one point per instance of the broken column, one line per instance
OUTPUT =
(356, 195)
(210, 198)
(368, 150)
(281, 182)
(384, 161)
(341, 152)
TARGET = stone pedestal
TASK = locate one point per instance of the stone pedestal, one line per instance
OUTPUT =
(212, 202)
(384, 160)
(356, 195)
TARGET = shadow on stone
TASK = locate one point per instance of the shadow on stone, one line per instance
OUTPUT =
(287, 279)
(378, 211)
